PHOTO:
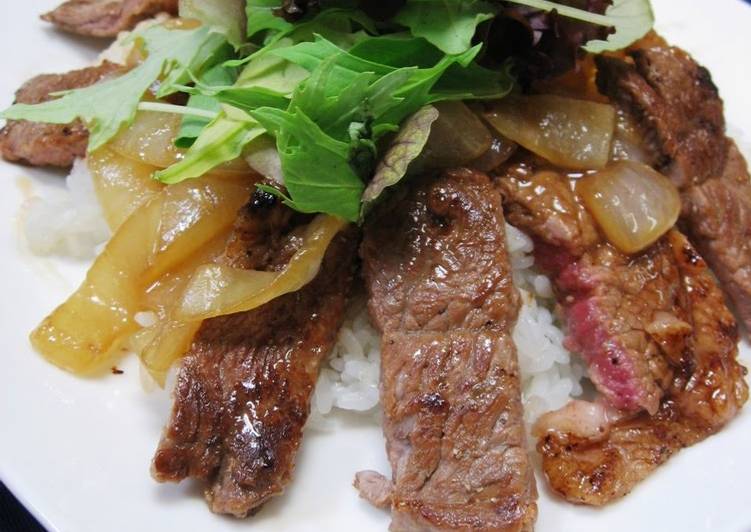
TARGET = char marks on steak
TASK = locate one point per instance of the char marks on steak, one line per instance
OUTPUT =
(653, 327)
(440, 290)
(244, 388)
(681, 115)
(42, 144)
(706, 392)
(106, 18)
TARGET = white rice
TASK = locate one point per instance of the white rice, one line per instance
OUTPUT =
(66, 222)
(69, 222)
(349, 380)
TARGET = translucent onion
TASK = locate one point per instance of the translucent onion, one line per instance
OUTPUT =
(91, 328)
(122, 185)
(575, 134)
(457, 137)
(150, 139)
(161, 344)
(217, 290)
(633, 204)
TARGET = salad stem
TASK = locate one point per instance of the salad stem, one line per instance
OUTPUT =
(176, 109)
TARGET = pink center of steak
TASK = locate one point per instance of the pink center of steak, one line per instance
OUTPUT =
(618, 371)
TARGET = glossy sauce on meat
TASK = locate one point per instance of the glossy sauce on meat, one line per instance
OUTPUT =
(653, 328)
(681, 116)
(243, 390)
(440, 289)
(40, 144)
(106, 18)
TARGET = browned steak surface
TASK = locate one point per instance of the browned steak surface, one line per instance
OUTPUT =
(243, 390)
(681, 115)
(106, 18)
(51, 144)
(611, 302)
(440, 289)
(653, 328)
(597, 464)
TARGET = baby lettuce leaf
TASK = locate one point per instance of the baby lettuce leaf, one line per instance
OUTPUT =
(225, 16)
(450, 26)
(316, 166)
(108, 106)
(405, 148)
(631, 20)
(222, 140)
(192, 125)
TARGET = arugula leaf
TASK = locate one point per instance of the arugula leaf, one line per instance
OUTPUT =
(261, 18)
(449, 25)
(316, 167)
(221, 141)
(631, 19)
(406, 147)
(108, 106)
(192, 125)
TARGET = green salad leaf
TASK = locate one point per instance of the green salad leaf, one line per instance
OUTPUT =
(225, 16)
(631, 20)
(450, 26)
(108, 106)
(192, 125)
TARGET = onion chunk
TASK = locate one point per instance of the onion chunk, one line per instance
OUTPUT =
(633, 204)
(575, 134)
(217, 290)
(92, 328)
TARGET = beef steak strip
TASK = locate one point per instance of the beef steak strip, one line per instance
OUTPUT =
(610, 301)
(651, 326)
(440, 290)
(706, 393)
(41, 144)
(681, 115)
(106, 18)
(244, 388)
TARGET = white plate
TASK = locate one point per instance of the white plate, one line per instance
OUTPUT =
(77, 452)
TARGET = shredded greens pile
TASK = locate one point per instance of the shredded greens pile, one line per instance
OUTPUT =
(326, 82)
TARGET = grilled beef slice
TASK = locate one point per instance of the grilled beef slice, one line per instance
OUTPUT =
(41, 144)
(440, 290)
(604, 462)
(106, 18)
(243, 390)
(659, 342)
(681, 116)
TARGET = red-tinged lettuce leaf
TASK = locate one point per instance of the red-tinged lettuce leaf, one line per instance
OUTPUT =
(405, 148)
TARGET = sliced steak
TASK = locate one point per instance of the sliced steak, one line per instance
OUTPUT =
(609, 300)
(106, 18)
(440, 290)
(659, 341)
(681, 114)
(243, 390)
(41, 144)
(589, 457)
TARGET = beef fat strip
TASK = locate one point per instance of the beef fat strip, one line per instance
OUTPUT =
(659, 342)
(440, 290)
(40, 144)
(106, 18)
(681, 115)
(243, 390)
